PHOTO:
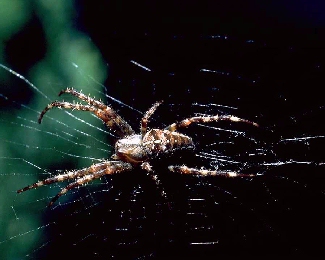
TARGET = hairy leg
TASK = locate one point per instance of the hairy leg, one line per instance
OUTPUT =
(83, 176)
(66, 105)
(193, 171)
(69, 175)
(91, 101)
(207, 119)
(147, 115)
(147, 167)
(111, 168)
(105, 113)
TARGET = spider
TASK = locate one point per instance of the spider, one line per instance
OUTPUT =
(132, 150)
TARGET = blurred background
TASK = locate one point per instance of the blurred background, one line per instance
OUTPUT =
(40, 40)
(267, 59)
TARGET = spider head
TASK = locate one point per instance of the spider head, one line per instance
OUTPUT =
(130, 149)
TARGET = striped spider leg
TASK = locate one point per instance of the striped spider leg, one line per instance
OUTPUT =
(207, 119)
(111, 119)
(202, 172)
(81, 176)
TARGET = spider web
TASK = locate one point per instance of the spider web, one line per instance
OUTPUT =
(124, 215)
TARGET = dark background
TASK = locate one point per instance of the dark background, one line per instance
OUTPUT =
(268, 60)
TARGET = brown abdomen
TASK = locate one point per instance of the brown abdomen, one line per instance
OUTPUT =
(163, 141)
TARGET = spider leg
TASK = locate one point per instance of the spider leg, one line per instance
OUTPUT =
(68, 175)
(105, 113)
(147, 115)
(147, 167)
(83, 97)
(207, 119)
(111, 168)
(193, 171)
(108, 115)
(66, 105)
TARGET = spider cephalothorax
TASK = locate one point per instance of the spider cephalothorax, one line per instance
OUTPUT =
(131, 149)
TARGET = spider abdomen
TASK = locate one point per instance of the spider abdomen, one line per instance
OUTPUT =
(163, 141)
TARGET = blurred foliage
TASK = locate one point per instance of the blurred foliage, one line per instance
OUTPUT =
(40, 40)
